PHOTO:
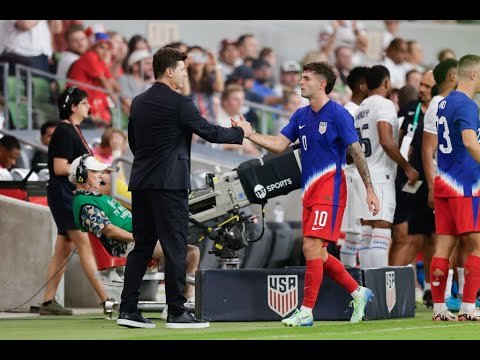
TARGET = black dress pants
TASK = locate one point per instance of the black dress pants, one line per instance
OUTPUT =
(162, 215)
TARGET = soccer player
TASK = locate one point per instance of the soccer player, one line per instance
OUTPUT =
(445, 74)
(457, 190)
(377, 125)
(351, 226)
(325, 130)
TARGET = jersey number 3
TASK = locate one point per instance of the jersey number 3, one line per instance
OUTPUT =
(447, 147)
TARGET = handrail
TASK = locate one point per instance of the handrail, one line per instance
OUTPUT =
(5, 66)
(265, 110)
(29, 71)
(36, 146)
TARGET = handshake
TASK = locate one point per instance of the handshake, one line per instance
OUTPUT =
(244, 124)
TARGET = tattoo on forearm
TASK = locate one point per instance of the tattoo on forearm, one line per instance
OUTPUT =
(358, 157)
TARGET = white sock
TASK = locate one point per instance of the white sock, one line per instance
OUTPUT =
(363, 251)
(439, 307)
(461, 280)
(306, 309)
(427, 286)
(448, 288)
(467, 308)
(349, 249)
(379, 246)
(356, 293)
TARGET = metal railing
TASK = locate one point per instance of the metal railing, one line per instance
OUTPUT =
(30, 72)
(264, 112)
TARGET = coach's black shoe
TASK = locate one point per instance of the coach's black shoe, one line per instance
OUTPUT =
(185, 321)
(134, 320)
(427, 299)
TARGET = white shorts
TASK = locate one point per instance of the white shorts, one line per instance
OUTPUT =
(350, 223)
(386, 195)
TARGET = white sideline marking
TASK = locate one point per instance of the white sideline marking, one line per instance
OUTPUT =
(362, 331)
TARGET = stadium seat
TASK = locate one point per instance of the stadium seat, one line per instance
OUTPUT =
(103, 258)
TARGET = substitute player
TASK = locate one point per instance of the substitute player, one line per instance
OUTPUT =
(325, 130)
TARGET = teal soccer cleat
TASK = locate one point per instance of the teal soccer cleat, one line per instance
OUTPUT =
(359, 304)
(299, 318)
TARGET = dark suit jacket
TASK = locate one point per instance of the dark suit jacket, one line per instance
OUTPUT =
(160, 130)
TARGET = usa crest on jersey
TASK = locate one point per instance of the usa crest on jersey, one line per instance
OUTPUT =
(322, 127)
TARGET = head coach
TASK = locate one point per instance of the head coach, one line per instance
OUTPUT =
(160, 129)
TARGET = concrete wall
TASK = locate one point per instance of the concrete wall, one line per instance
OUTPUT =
(27, 238)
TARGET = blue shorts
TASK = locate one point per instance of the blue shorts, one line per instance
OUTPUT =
(60, 201)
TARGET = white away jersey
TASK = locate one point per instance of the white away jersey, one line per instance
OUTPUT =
(373, 109)
(430, 119)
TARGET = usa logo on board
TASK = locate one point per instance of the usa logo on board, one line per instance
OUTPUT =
(282, 293)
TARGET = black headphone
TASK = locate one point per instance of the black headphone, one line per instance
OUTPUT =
(81, 174)
(69, 94)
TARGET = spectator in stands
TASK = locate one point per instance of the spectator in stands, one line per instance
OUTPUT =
(228, 56)
(289, 79)
(390, 33)
(269, 55)
(343, 64)
(291, 103)
(446, 54)
(138, 77)
(243, 76)
(206, 79)
(91, 68)
(347, 33)
(395, 62)
(60, 39)
(325, 42)
(41, 157)
(77, 45)
(118, 51)
(261, 86)
(413, 78)
(29, 42)
(66, 145)
(9, 153)
(232, 102)
(108, 219)
(136, 42)
(247, 46)
(414, 59)
(112, 145)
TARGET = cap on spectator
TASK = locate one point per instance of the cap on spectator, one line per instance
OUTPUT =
(243, 72)
(138, 55)
(226, 42)
(101, 37)
(290, 66)
(259, 63)
(90, 163)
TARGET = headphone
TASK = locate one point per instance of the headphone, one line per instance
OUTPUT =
(81, 174)
(69, 94)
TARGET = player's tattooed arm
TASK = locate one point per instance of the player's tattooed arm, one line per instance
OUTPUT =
(356, 152)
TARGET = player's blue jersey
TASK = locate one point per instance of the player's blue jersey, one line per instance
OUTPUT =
(324, 137)
(458, 173)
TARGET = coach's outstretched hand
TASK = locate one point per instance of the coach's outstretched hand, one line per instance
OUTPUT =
(244, 124)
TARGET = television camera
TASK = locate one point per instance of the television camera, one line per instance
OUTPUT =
(216, 207)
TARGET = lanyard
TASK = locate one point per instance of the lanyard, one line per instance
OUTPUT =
(81, 137)
(415, 117)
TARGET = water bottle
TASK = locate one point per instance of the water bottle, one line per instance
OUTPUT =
(278, 213)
